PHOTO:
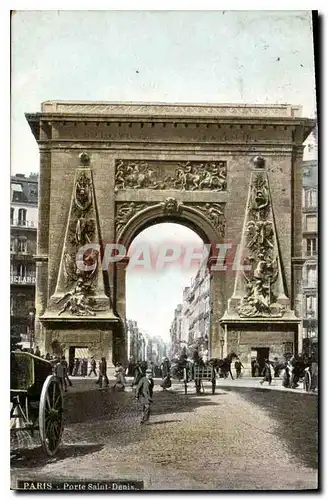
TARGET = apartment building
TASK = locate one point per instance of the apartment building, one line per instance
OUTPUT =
(191, 322)
(23, 224)
(310, 249)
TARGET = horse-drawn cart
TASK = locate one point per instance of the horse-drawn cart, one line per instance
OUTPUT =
(200, 373)
(36, 399)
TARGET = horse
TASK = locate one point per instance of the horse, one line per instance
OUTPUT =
(224, 365)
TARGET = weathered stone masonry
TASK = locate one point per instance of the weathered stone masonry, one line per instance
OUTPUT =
(150, 163)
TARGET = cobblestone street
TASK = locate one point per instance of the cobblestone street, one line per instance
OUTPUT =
(240, 438)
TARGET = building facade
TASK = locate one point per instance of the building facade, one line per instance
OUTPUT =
(175, 332)
(23, 234)
(136, 343)
(310, 250)
(191, 322)
(143, 347)
(159, 350)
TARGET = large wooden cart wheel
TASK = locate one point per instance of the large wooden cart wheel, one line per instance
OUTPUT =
(51, 415)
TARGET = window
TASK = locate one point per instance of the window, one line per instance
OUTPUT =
(311, 223)
(12, 244)
(311, 275)
(311, 247)
(311, 198)
(21, 271)
(22, 216)
(311, 306)
(20, 303)
(22, 245)
(12, 214)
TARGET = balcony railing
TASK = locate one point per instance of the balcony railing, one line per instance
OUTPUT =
(24, 223)
(23, 251)
(310, 283)
(29, 279)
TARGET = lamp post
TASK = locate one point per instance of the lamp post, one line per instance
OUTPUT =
(31, 327)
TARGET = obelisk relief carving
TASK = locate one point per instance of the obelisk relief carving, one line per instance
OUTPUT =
(259, 287)
(80, 287)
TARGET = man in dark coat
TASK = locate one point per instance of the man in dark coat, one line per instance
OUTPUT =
(93, 366)
(165, 367)
(238, 367)
(65, 365)
(145, 392)
(267, 372)
(196, 357)
(102, 373)
(165, 372)
(76, 367)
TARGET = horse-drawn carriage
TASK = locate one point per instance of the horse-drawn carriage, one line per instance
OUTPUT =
(187, 371)
(36, 399)
(201, 373)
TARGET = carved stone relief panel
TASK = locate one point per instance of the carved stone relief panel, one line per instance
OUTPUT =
(125, 212)
(214, 212)
(180, 176)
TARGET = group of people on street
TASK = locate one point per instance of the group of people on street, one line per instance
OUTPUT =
(79, 368)
(60, 369)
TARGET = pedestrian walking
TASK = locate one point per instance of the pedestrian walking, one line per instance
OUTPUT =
(256, 368)
(93, 365)
(153, 369)
(76, 367)
(165, 372)
(144, 392)
(238, 367)
(37, 351)
(65, 365)
(120, 382)
(59, 370)
(276, 367)
(267, 372)
(103, 373)
(84, 367)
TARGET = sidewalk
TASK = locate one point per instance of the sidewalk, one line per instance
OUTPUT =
(81, 384)
(253, 382)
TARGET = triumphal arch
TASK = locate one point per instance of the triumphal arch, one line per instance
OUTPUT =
(232, 173)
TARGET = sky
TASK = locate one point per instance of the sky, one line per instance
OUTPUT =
(151, 297)
(166, 56)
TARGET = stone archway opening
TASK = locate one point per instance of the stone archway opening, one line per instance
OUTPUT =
(168, 292)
